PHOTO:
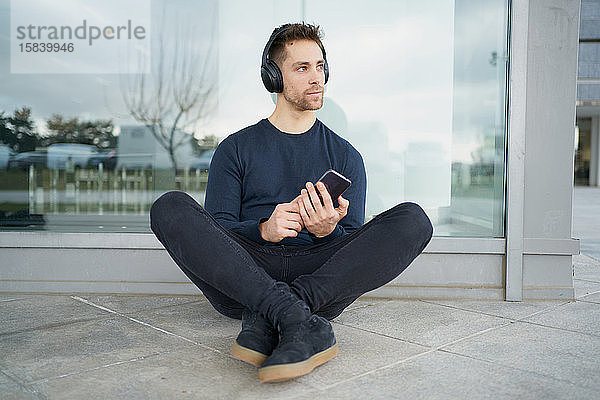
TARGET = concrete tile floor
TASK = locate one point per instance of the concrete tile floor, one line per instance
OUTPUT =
(163, 347)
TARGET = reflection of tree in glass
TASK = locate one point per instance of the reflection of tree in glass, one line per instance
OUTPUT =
(18, 131)
(493, 58)
(20, 134)
(64, 130)
(179, 93)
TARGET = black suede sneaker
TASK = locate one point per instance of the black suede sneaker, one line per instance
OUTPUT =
(303, 346)
(257, 339)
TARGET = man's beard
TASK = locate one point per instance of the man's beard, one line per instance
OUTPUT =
(303, 102)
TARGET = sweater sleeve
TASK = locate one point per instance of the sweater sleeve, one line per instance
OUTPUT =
(356, 195)
(224, 192)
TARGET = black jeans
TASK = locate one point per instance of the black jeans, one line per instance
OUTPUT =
(234, 272)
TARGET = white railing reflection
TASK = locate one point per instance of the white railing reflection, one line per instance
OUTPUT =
(98, 190)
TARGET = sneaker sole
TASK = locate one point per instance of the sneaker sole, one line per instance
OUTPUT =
(284, 372)
(247, 355)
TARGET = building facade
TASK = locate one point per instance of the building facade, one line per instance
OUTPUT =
(465, 107)
(587, 156)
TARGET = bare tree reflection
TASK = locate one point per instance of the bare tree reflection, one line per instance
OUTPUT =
(179, 94)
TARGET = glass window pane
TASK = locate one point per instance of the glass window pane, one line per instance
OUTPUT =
(417, 87)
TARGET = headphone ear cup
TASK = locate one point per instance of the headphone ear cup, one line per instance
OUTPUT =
(266, 78)
(271, 77)
(326, 70)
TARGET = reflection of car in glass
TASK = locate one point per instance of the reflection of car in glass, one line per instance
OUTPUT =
(203, 162)
(21, 218)
(108, 158)
(79, 154)
(24, 160)
(5, 154)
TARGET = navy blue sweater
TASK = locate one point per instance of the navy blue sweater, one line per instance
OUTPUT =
(259, 167)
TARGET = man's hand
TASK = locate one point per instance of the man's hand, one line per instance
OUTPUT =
(320, 219)
(285, 221)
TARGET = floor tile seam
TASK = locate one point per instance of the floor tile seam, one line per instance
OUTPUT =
(143, 310)
(544, 310)
(11, 377)
(584, 268)
(22, 384)
(359, 307)
(588, 301)
(8, 300)
(580, 298)
(587, 294)
(150, 326)
(435, 346)
(512, 367)
(185, 299)
(587, 280)
(558, 328)
(593, 260)
(585, 265)
(382, 334)
(468, 310)
(52, 326)
(584, 254)
(410, 358)
(378, 300)
(374, 370)
(99, 367)
(374, 304)
(474, 334)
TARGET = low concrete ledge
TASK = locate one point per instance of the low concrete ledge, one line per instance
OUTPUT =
(473, 268)
(99, 240)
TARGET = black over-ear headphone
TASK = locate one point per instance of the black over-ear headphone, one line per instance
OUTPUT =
(270, 72)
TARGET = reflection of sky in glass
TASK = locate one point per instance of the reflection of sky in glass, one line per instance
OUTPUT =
(93, 96)
(393, 68)
(81, 25)
(372, 52)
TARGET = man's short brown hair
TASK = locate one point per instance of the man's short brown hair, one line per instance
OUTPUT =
(295, 31)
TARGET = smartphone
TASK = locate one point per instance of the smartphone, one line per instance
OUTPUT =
(335, 183)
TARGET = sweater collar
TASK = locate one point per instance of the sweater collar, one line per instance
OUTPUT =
(274, 129)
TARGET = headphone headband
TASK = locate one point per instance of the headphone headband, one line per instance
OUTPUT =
(270, 42)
